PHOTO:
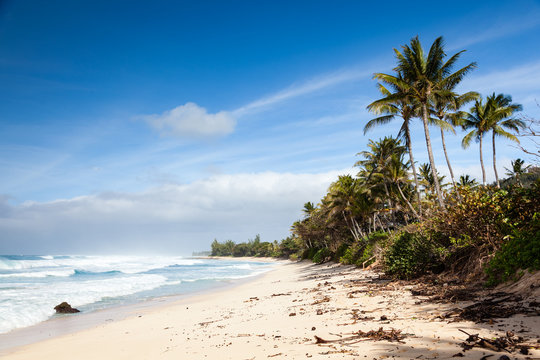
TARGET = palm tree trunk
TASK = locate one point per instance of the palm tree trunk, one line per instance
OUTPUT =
(417, 186)
(430, 155)
(390, 203)
(407, 201)
(448, 161)
(482, 163)
(495, 163)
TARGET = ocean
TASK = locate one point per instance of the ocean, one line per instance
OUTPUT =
(31, 286)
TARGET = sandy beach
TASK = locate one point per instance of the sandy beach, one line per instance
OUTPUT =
(297, 311)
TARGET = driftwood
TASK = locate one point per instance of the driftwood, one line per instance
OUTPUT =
(376, 335)
(509, 343)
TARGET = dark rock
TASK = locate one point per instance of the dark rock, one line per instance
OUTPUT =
(65, 308)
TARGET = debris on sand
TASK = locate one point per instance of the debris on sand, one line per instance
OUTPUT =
(376, 335)
(509, 343)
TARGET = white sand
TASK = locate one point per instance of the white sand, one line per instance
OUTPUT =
(254, 321)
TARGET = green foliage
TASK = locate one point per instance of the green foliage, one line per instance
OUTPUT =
(410, 255)
(322, 255)
(520, 251)
(361, 251)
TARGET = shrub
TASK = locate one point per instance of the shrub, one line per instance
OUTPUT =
(321, 256)
(367, 253)
(410, 255)
(521, 251)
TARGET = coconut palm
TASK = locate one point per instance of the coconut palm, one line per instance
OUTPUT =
(517, 170)
(396, 173)
(428, 180)
(447, 116)
(309, 207)
(500, 120)
(342, 196)
(405, 108)
(467, 181)
(375, 163)
(477, 120)
(422, 77)
(491, 115)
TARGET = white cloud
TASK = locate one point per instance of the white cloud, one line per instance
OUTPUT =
(177, 218)
(191, 120)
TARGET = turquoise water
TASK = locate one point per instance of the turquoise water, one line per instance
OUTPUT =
(31, 286)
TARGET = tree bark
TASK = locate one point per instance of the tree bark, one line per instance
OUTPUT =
(430, 155)
(482, 163)
(448, 160)
(495, 163)
(417, 186)
(407, 202)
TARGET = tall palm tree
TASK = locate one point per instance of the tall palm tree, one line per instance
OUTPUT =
(491, 115)
(422, 77)
(500, 120)
(405, 108)
(477, 120)
(447, 116)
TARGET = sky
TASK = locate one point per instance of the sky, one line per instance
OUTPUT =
(155, 127)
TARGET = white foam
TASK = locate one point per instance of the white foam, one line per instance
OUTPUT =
(39, 274)
(22, 306)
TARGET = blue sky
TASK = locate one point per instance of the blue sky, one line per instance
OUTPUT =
(172, 123)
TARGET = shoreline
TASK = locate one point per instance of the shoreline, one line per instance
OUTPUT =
(279, 315)
(66, 324)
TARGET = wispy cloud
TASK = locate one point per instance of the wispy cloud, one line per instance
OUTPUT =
(509, 26)
(521, 79)
(316, 84)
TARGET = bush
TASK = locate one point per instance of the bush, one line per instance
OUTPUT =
(367, 253)
(322, 255)
(410, 255)
(309, 253)
(521, 251)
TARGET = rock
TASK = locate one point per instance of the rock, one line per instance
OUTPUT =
(65, 308)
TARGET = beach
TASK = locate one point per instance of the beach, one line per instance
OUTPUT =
(296, 311)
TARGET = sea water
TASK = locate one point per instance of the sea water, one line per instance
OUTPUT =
(31, 286)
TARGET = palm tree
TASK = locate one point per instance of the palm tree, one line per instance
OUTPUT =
(404, 108)
(477, 120)
(396, 173)
(466, 180)
(342, 202)
(428, 180)
(493, 114)
(500, 120)
(447, 116)
(422, 77)
(309, 207)
(374, 167)
(517, 170)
